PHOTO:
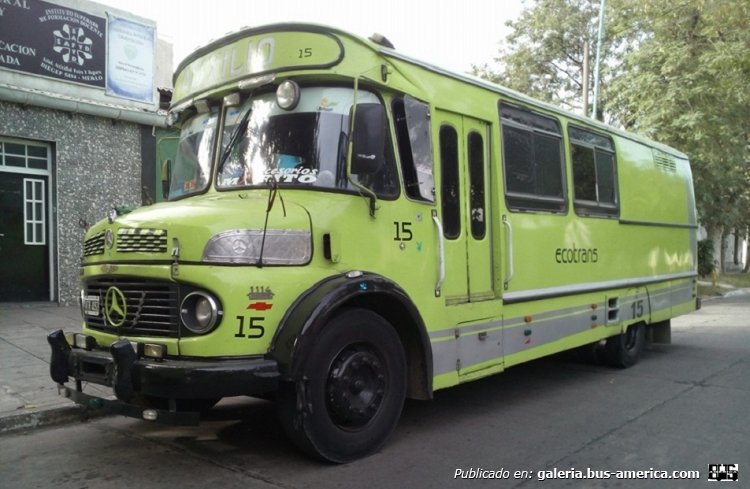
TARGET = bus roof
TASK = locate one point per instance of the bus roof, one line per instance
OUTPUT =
(394, 54)
(479, 82)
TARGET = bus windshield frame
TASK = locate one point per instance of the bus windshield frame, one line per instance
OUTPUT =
(305, 147)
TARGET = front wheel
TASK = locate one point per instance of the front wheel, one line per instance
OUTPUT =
(352, 392)
(625, 349)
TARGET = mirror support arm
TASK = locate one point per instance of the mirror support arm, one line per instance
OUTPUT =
(366, 192)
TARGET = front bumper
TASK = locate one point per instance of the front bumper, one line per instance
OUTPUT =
(132, 377)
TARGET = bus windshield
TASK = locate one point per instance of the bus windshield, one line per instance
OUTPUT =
(192, 168)
(303, 147)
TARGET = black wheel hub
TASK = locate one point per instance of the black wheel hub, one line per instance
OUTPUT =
(355, 387)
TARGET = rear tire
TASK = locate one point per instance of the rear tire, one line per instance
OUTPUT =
(352, 392)
(624, 350)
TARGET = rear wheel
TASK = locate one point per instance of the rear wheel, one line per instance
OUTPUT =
(625, 349)
(353, 389)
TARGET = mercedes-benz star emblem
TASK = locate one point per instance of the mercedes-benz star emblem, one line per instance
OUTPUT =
(115, 307)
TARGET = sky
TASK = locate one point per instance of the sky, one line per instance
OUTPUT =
(452, 34)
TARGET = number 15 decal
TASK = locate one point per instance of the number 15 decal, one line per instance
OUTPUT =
(403, 231)
(254, 328)
(637, 309)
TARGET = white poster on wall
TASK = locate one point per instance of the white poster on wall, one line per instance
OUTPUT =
(130, 59)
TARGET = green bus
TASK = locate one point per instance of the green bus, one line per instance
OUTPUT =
(347, 227)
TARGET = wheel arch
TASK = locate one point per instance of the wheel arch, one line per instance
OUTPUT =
(314, 308)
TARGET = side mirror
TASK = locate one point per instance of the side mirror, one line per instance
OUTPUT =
(368, 139)
(166, 177)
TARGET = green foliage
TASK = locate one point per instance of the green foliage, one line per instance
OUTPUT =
(706, 260)
(543, 54)
(687, 86)
(676, 71)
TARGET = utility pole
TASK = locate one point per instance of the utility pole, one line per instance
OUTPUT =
(598, 56)
(585, 77)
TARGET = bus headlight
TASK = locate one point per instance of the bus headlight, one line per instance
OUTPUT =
(200, 312)
(243, 246)
(287, 95)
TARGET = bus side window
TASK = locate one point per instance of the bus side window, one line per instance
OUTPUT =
(475, 148)
(412, 121)
(594, 174)
(449, 183)
(532, 160)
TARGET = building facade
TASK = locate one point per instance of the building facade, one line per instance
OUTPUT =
(79, 110)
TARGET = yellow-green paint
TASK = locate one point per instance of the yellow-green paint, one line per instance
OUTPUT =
(649, 247)
(251, 55)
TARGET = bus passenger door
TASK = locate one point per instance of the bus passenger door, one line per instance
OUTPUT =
(451, 196)
(478, 210)
(463, 192)
(463, 196)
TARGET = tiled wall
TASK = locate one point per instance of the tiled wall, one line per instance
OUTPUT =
(96, 165)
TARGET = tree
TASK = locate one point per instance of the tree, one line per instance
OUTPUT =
(674, 70)
(543, 56)
(686, 85)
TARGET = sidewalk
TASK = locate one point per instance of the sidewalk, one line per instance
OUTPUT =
(28, 396)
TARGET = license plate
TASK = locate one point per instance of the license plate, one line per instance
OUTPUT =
(91, 305)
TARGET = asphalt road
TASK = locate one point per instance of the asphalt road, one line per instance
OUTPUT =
(683, 407)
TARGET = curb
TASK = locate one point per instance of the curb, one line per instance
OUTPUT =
(46, 418)
(737, 292)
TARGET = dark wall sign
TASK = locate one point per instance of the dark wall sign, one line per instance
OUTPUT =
(54, 41)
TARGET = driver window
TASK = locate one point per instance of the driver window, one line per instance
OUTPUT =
(412, 122)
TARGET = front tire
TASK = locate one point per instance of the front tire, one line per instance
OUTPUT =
(352, 392)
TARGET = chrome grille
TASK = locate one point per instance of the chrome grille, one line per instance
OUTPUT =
(152, 307)
(142, 240)
(94, 245)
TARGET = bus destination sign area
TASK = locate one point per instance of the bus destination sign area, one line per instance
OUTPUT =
(257, 55)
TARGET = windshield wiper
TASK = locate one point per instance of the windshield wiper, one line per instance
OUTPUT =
(273, 191)
(240, 129)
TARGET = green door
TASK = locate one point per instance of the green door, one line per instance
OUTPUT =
(463, 192)
(477, 208)
(24, 241)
